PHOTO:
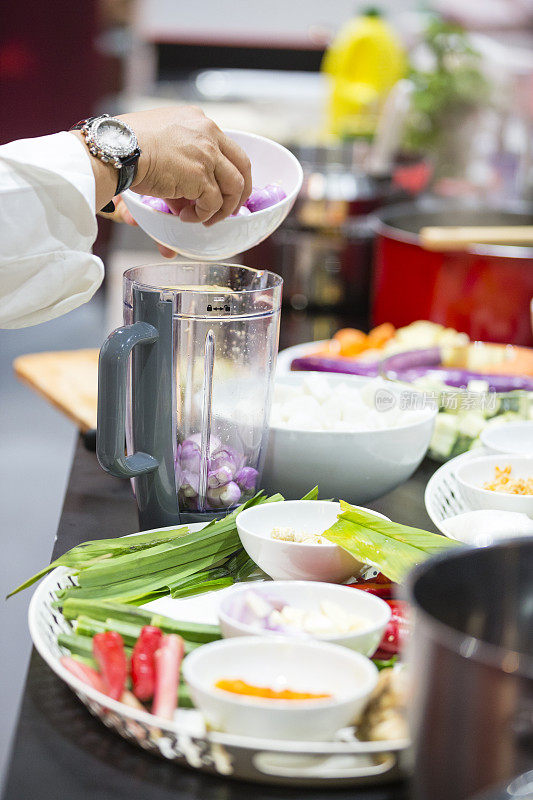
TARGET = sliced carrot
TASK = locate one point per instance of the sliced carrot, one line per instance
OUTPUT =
(352, 342)
(521, 363)
(380, 336)
(241, 687)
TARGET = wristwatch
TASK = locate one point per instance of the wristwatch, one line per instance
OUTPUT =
(113, 142)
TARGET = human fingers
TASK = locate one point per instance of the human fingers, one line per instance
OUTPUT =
(177, 205)
(238, 157)
(120, 214)
(166, 252)
(230, 183)
(209, 201)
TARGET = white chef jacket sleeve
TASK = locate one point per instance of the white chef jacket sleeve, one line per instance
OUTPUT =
(47, 228)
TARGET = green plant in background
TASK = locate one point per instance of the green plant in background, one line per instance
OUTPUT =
(446, 96)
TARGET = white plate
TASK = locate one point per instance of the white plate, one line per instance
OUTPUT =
(285, 357)
(345, 762)
(514, 437)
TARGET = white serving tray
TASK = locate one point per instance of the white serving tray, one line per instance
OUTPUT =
(343, 762)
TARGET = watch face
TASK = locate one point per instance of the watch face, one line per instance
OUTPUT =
(114, 137)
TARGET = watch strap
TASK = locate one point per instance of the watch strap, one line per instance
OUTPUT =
(79, 125)
(126, 171)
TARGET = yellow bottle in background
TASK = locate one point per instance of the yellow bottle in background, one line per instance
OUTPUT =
(364, 61)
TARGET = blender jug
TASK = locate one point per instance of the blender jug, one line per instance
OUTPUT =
(194, 402)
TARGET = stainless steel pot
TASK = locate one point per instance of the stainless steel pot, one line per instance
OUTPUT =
(471, 656)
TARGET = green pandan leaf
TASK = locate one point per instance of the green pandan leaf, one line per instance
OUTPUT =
(429, 543)
(393, 558)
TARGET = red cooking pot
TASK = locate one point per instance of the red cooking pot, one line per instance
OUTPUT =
(483, 290)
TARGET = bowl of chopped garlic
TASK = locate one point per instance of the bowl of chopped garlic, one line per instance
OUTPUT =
(285, 539)
(503, 482)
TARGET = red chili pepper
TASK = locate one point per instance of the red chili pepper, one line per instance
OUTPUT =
(380, 585)
(142, 662)
(396, 631)
(383, 590)
(381, 578)
(108, 650)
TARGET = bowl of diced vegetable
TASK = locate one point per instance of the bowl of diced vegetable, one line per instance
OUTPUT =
(471, 387)
(476, 385)
(357, 437)
(277, 178)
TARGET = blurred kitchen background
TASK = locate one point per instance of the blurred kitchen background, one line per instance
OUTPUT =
(408, 101)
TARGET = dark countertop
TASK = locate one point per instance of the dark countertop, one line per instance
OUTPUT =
(60, 751)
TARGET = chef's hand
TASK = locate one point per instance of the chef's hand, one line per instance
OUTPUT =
(121, 214)
(188, 161)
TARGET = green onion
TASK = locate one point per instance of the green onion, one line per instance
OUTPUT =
(385, 663)
(184, 698)
(80, 645)
(103, 611)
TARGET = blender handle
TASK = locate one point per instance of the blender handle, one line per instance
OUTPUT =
(112, 398)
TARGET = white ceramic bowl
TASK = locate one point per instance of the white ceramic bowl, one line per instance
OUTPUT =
(295, 560)
(279, 663)
(356, 466)
(309, 595)
(271, 163)
(472, 474)
(513, 437)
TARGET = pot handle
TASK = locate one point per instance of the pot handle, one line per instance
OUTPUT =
(112, 398)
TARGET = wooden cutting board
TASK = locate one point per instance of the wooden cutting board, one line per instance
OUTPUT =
(67, 379)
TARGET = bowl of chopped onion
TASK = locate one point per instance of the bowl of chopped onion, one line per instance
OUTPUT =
(339, 615)
(277, 178)
(501, 482)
